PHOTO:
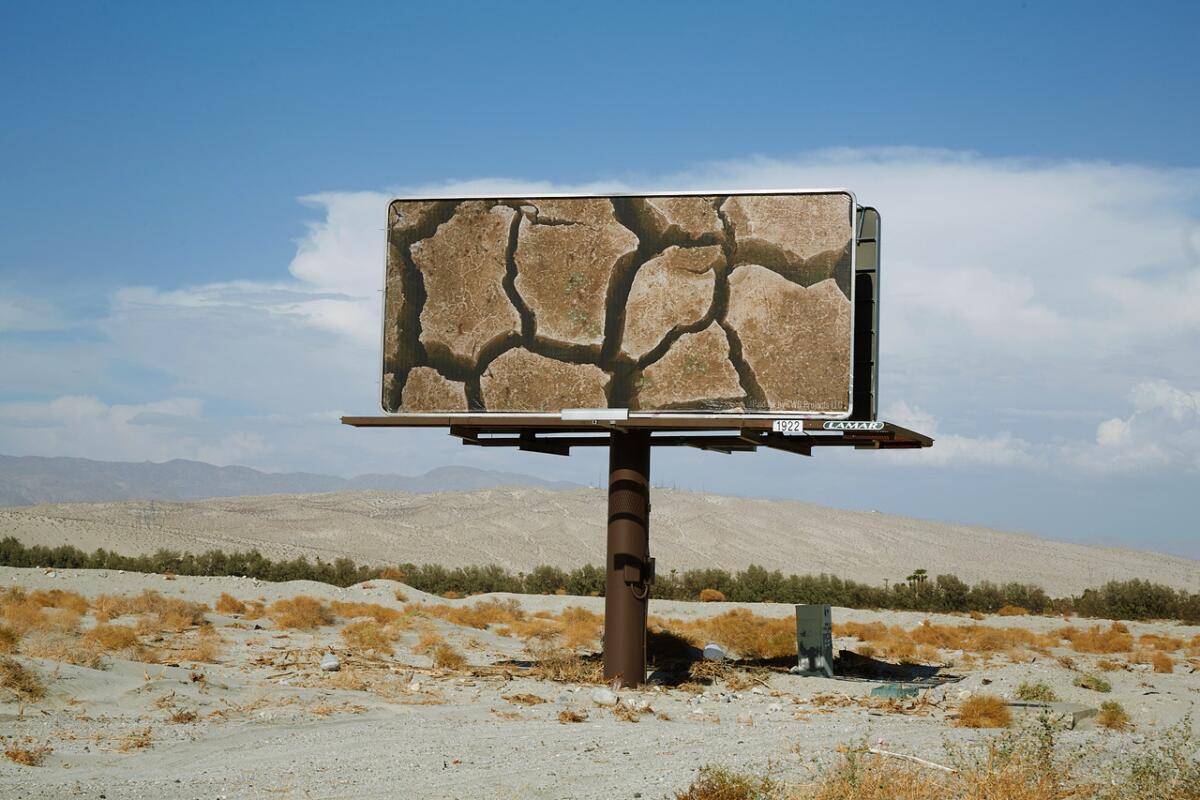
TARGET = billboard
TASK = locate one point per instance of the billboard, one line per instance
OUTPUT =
(680, 304)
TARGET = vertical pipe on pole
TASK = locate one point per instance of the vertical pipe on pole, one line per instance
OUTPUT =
(629, 570)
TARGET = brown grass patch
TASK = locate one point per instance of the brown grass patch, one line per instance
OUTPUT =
(1162, 662)
(921, 644)
(568, 716)
(1113, 716)
(300, 613)
(1096, 639)
(168, 613)
(207, 647)
(8, 639)
(120, 639)
(1012, 611)
(20, 680)
(381, 614)
(228, 604)
(984, 711)
(711, 596)
(57, 646)
(738, 630)
(975, 615)
(1105, 665)
(27, 753)
(367, 634)
(445, 656)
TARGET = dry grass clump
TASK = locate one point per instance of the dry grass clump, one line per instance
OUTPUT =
(27, 753)
(113, 639)
(228, 604)
(921, 644)
(445, 656)
(565, 666)
(711, 596)
(182, 716)
(738, 630)
(168, 613)
(1162, 662)
(568, 716)
(8, 639)
(984, 711)
(20, 680)
(1012, 611)
(1113, 716)
(301, 613)
(1105, 665)
(720, 783)
(367, 634)
(59, 598)
(206, 648)
(381, 614)
(1155, 641)
(1096, 639)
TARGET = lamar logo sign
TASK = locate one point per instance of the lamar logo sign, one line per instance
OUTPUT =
(850, 425)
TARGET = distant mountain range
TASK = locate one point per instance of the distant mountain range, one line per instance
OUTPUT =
(30, 480)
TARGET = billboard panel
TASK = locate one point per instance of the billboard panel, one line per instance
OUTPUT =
(698, 304)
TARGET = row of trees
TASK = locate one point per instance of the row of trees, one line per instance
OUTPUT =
(1134, 599)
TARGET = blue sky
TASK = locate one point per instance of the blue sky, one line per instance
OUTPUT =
(191, 199)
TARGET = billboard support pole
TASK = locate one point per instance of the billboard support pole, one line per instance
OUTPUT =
(629, 568)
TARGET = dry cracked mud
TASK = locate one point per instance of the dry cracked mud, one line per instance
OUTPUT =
(733, 304)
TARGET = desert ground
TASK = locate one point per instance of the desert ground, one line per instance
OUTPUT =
(523, 527)
(203, 696)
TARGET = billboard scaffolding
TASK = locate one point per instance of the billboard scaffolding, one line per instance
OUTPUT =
(723, 321)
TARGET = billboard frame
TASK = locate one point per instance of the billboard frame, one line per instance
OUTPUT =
(533, 416)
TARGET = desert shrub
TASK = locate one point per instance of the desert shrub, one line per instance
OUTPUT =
(445, 656)
(384, 615)
(1113, 639)
(1093, 682)
(1012, 611)
(113, 639)
(1132, 599)
(58, 598)
(228, 604)
(984, 711)
(719, 783)
(367, 634)
(20, 680)
(1113, 716)
(1162, 662)
(711, 596)
(1036, 692)
(300, 612)
(1106, 665)
(545, 580)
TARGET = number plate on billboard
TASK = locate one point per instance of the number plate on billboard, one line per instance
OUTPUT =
(793, 427)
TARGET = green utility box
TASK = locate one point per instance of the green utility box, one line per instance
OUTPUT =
(814, 640)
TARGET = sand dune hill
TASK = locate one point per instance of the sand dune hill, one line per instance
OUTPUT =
(521, 528)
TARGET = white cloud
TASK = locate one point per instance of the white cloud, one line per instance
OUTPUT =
(86, 427)
(1162, 430)
(1001, 449)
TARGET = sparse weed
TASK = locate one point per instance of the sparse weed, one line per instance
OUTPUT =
(1113, 716)
(27, 752)
(1093, 682)
(367, 634)
(1036, 692)
(228, 604)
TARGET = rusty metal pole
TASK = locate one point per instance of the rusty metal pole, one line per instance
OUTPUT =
(630, 570)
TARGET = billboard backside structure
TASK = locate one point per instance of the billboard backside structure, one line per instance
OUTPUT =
(682, 304)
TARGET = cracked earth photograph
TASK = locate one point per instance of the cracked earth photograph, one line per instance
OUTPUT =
(687, 304)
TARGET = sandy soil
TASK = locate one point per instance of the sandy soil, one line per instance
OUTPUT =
(270, 724)
(522, 528)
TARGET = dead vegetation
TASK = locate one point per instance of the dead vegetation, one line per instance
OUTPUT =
(369, 635)
(27, 752)
(23, 682)
(300, 613)
(984, 711)
(1113, 716)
